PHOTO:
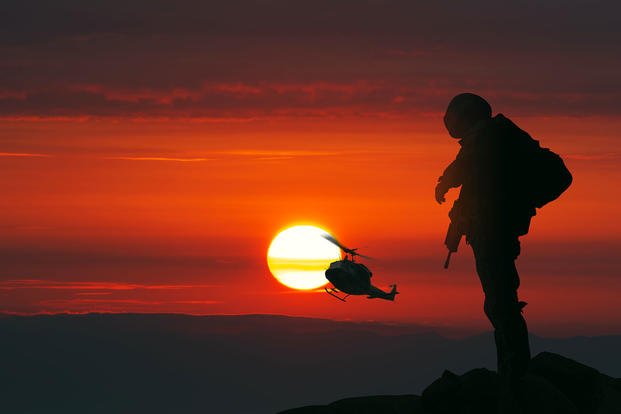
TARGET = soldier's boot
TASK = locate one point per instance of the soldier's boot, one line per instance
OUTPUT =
(513, 353)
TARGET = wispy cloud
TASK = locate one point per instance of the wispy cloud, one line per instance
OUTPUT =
(278, 153)
(69, 302)
(594, 157)
(22, 154)
(173, 159)
(17, 284)
(256, 154)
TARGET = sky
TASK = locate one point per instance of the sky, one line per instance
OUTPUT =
(150, 151)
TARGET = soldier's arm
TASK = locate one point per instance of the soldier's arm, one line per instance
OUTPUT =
(451, 177)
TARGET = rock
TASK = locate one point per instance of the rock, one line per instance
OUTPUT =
(311, 409)
(538, 396)
(397, 404)
(611, 400)
(476, 391)
(473, 392)
(388, 404)
(435, 394)
(554, 385)
(583, 385)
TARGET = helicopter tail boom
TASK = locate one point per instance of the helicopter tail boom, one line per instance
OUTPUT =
(380, 294)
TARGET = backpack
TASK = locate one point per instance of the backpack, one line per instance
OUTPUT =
(541, 174)
(548, 177)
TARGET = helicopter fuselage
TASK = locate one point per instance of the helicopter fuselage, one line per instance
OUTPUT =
(349, 277)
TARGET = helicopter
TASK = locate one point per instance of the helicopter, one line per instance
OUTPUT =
(351, 278)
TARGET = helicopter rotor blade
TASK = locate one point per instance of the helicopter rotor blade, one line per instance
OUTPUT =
(347, 250)
(334, 241)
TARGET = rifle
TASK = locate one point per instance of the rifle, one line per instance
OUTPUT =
(454, 233)
(453, 237)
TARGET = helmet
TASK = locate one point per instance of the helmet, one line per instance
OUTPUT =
(465, 110)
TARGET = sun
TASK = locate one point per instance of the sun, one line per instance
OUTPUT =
(299, 255)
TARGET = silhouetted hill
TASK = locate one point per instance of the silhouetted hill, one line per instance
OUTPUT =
(554, 384)
(127, 363)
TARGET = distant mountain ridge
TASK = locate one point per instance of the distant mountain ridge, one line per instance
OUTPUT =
(161, 363)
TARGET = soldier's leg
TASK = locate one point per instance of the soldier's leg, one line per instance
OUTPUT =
(510, 327)
(495, 263)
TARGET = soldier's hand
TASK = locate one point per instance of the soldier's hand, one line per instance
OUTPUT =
(440, 192)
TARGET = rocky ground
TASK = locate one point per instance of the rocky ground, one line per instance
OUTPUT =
(554, 385)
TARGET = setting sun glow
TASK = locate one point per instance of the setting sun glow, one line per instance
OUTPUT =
(299, 256)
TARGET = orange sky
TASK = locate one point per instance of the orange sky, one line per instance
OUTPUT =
(147, 164)
(177, 216)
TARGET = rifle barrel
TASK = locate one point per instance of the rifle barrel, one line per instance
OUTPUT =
(448, 259)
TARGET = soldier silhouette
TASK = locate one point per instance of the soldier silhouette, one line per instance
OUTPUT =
(496, 168)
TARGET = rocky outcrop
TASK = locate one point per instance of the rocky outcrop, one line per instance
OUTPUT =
(389, 404)
(554, 384)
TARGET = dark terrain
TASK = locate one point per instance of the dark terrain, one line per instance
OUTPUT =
(128, 363)
(553, 384)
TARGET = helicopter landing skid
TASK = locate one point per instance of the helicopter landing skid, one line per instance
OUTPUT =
(331, 292)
